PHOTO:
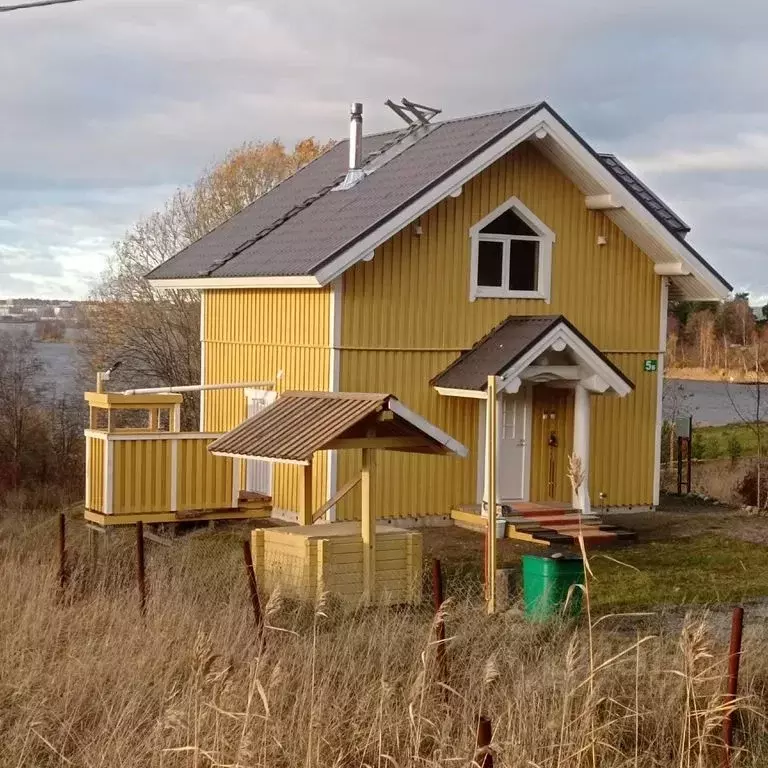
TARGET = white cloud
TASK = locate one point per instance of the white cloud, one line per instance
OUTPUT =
(108, 105)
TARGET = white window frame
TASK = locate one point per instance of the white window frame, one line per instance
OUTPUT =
(545, 238)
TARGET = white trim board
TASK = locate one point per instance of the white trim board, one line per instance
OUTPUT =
(545, 238)
(288, 281)
(431, 430)
(203, 296)
(542, 122)
(562, 333)
(334, 378)
(663, 310)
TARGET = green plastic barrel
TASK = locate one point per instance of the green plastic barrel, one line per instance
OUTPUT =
(547, 579)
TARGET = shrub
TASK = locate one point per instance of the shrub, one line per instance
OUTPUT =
(698, 446)
(747, 488)
(735, 448)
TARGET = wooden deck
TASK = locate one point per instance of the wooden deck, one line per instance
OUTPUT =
(544, 524)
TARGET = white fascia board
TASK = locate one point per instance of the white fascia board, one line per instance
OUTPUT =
(296, 281)
(622, 198)
(423, 425)
(528, 216)
(583, 351)
(421, 205)
(269, 459)
(474, 394)
(541, 118)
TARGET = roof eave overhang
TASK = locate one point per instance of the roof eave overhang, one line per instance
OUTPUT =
(546, 127)
(576, 159)
(274, 281)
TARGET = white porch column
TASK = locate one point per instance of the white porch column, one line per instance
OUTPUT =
(581, 416)
(491, 449)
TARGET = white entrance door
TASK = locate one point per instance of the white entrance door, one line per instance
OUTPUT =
(258, 474)
(513, 435)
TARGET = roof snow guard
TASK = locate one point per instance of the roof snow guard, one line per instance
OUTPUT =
(298, 424)
(513, 350)
(299, 235)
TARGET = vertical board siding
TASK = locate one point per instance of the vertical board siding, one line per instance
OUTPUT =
(205, 481)
(141, 472)
(407, 313)
(251, 335)
(95, 473)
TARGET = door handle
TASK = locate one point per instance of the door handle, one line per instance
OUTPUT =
(521, 442)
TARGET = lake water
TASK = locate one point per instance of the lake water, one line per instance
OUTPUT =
(60, 358)
(713, 403)
(709, 402)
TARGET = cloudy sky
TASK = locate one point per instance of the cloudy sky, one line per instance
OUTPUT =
(106, 106)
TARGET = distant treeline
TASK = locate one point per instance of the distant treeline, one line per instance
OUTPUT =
(727, 336)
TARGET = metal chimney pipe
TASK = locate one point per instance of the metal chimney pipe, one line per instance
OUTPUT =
(355, 136)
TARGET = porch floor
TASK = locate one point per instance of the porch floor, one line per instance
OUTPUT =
(553, 523)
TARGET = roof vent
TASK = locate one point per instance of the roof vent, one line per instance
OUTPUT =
(355, 172)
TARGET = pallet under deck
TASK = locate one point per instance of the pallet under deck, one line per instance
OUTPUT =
(544, 524)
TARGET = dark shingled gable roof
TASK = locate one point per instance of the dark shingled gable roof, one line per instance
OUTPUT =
(652, 201)
(501, 347)
(298, 226)
(301, 224)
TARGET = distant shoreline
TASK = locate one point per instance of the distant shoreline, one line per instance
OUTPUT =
(713, 374)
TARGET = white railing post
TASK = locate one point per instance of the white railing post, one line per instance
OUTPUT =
(236, 469)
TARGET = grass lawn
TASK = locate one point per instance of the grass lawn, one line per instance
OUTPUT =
(729, 441)
(701, 570)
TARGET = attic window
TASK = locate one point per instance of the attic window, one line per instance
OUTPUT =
(511, 254)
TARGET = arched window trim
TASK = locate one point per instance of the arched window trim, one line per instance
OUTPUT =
(545, 237)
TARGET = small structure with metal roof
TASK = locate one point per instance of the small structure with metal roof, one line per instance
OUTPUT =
(366, 561)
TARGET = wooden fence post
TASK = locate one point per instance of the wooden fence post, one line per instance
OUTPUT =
(253, 587)
(437, 601)
(734, 657)
(140, 569)
(483, 756)
(62, 551)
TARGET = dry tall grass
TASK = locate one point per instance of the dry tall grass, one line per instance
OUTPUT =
(86, 682)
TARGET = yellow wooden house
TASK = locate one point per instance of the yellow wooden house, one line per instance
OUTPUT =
(422, 260)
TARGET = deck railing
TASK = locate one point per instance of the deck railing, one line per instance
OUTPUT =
(134, 473)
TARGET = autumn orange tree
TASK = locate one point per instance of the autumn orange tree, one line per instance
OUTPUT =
(155, 333)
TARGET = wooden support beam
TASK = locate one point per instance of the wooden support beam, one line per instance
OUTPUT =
(602, 203)
(368, 525)
(380, 443)
(671, 269)
(305, 494)
(336, 498)
(490, 459)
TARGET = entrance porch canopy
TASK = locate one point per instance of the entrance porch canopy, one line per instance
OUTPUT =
(535, 349)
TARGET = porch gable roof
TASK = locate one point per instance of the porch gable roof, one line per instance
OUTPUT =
(514, 344)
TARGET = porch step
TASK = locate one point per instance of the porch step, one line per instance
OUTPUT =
(548, 525)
